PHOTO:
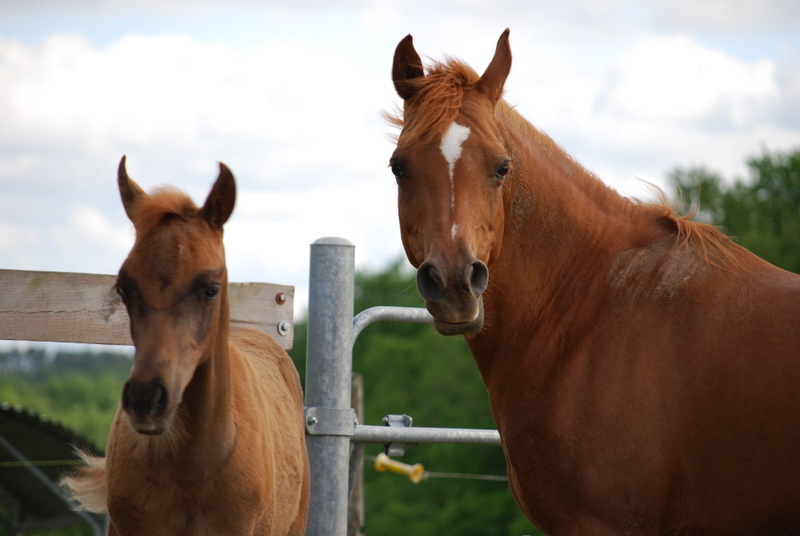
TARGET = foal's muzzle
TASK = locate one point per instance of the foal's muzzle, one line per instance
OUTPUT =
(145, 404)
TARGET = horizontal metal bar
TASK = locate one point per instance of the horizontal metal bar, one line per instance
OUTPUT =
(417, 315)
(390, 434)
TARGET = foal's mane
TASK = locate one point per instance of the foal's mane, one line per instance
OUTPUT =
(163, 203)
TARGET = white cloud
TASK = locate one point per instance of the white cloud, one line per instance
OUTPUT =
(15, 238)
(173, 89)
(739, 16)
(88, 228)
(15, 165)
(677, 80)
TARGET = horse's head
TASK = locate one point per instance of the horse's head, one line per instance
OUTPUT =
(450, 165)
(174, 286)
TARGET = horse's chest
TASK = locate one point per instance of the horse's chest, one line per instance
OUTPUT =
(188, 510)
(569, 449)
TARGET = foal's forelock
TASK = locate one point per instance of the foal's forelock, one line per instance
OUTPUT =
(163, 203)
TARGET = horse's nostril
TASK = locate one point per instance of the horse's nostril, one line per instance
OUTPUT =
(429, 282)
(144, 398)
(478, 278)
(161, 401)
(126, 399)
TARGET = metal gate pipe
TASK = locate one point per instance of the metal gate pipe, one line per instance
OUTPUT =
(328, 377)
(417, 315)
(389, 434)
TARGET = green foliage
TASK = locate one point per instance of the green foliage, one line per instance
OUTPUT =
(409, 368)
(761, 213)
(79, 390)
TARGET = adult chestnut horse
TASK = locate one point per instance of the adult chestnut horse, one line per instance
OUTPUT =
(642, 369)
(209, 437)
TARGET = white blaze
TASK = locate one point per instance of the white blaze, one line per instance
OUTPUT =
(451, 149)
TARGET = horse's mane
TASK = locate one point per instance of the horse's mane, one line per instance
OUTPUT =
(161, 204)
(706, 241)
(436, 103)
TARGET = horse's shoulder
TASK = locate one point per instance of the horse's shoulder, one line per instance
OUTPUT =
(258, 348)
(251, 340)
(267, 356)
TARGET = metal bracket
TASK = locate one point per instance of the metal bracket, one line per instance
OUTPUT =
(330, 421)
(399, 421)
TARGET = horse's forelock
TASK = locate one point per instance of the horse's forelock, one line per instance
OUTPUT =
(161, 203)
(436, 102)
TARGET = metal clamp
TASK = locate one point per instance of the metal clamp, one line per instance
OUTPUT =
(330, 421)
(397, 421)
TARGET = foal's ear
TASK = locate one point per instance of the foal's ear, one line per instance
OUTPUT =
(128, 190)
(407, 66)
(220, 202)
(494, 78)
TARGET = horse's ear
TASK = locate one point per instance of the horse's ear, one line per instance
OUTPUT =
(128, 190)
(406, 67)
(494, 78)
(220, 202)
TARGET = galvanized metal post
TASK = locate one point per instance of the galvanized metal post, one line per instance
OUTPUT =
(328, 377)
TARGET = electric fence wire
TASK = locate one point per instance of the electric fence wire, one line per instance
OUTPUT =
(465, 476)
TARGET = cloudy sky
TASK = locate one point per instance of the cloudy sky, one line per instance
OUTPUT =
(289, 93)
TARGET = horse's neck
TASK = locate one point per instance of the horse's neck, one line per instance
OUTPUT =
(562, 227)
(557, 212)
(206, 413)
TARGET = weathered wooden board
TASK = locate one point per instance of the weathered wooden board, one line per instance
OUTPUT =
(68, 307)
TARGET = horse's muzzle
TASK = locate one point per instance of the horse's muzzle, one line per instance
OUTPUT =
(454, 298)
(145, 404)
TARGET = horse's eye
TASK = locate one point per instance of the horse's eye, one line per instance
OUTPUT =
(397, 170)
(210, 293)
(501, 171)
(120, 291)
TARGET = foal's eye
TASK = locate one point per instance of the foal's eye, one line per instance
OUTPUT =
(210, 293)
(397, 170)
(501, 171)
(120, 291)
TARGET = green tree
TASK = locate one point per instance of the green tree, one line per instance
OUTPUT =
(762, 212)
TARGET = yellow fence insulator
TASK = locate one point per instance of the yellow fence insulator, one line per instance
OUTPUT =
(415, 472)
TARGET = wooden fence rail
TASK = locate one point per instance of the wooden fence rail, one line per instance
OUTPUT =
(84, 308)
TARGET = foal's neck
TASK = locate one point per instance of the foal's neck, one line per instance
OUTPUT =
(206, 411)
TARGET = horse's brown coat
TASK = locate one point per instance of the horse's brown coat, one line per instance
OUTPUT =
(209, 437)
(642, 369)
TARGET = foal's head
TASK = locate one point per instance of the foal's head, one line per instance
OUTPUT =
(174, 285)
(450, 165)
